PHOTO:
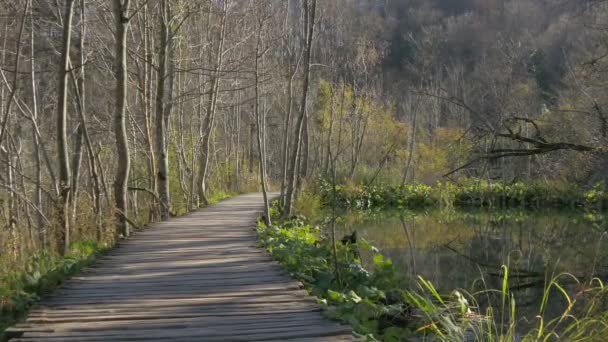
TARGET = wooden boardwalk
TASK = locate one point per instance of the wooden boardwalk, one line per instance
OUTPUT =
(199, 277)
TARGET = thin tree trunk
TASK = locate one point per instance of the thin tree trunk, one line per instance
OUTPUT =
(411, 149)
(357, 149)
(42, 236)
(251, 147)
(80, 88)
(162, 100)
(76, 163)
(146, 95)
(62, 138)
(211, 109)
(310, 14)
(9, 178)
(290, 77)
(146, 104)
(121, 17)
(261, 128)
(285, 151)
(329, 134)
(237, 166)
(83, 136)
(333, 219)
(306, 149)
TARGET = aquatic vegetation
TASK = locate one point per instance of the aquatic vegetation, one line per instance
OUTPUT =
(383, 305)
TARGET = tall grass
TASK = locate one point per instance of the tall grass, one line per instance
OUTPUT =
(459, 317)
(22, 283)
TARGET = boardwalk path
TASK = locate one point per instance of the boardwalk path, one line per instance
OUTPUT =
(199, 277)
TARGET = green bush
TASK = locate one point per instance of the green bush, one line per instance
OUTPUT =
(469, 193)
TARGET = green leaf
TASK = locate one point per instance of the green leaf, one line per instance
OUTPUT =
(353, 297)
(335, 296)
(378, 259)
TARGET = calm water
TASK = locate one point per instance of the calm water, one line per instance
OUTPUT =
(456, 249)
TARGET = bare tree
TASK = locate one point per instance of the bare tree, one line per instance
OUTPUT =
(62, 118)
(121, 17)
(309, 20)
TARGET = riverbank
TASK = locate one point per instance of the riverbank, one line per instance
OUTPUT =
(466, 194)
(383, 304)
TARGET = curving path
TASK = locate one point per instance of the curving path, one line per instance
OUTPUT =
(199, 277)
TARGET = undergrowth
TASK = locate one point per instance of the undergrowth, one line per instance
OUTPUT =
(39, 274)
(371, 302)
(467, 193)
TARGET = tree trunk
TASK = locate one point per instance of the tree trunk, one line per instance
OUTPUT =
(81, 90)
(121, 17)
(261, 129)
(62, 138)
(162, 176)
(251, 146)
(211, 110)
(309, 15)
(76, 163)
(237, 165)
(42, 236)
(285, 151)
(411, 150)
(329, 135)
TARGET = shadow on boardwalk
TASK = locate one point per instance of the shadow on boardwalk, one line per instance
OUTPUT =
(199, 277)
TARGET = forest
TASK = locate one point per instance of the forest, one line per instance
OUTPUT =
(423, 152)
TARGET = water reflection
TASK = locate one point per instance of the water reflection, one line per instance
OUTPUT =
(466, 249)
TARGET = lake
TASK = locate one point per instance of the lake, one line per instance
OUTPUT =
(465, 249)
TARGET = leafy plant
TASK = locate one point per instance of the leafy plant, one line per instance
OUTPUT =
(370, 301)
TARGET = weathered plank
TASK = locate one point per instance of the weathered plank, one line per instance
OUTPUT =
(199, 277)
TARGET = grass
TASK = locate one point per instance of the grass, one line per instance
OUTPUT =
(37, 275)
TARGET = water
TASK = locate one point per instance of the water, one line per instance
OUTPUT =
(466, 249)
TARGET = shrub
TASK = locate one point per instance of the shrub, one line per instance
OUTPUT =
(470, 193)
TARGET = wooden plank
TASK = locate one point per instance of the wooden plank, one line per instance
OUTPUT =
(167, 330)
(207, 334)
(59, 300)
(195, 278)
(190, 308)
(260, 296)
(172, 284)
(147, 316)
(173, 293)
(162, 323)
(182, 277)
